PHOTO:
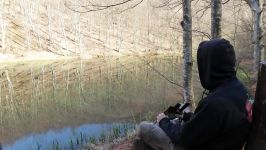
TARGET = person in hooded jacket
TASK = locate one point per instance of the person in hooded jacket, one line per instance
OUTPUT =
(222, 119)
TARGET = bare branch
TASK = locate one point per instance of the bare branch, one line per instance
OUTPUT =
(91, 7)
(170, 4)
(132, 6)
(107, 6)
(202, 33)
(164, 4)
(203, 10)
(225, 2)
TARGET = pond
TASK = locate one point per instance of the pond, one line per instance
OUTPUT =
(51, 104)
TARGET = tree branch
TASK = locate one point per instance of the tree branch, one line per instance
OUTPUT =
(225, 2)
(132, 6)
(96, 7)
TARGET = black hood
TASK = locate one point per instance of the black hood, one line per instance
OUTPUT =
(216, 63)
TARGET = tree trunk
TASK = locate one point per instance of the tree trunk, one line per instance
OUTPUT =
(263, 16)
(257, 35)
(263, 55)
(257, 31)
(3, 31)
(187, 51)
(216, 16)
(257, 139)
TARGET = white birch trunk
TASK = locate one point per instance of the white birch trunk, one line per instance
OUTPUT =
(3, 32)
(64, 32)
(216, 16)
(257, 31)
(257, 36)
(187, 51)
(49, 21)
(79, 34)
(263, 55)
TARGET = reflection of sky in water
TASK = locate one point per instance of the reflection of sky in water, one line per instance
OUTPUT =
(62, 136)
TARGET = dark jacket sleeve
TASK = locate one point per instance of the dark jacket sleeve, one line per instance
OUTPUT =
(204, 125)
(187, 116)
(171, 129)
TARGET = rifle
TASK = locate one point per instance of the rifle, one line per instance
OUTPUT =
(174, 111)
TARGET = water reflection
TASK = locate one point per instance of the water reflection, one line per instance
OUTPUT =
(38, 96)
(62, 137)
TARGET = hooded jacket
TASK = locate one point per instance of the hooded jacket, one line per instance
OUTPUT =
(220, 119)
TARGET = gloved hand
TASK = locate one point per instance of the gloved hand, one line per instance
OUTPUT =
(173, 111)
(186, 116)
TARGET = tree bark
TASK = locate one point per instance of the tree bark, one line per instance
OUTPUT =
(216, 16)
(257, 31)
(187, 51)
(257, 139)
(257, 36)
(263, 55)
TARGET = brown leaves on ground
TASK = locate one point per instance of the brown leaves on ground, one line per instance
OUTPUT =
(117, 144)
(126, 144)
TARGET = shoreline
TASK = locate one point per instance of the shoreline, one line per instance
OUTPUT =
(86, 57)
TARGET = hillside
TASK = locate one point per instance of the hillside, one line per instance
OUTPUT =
(46, 29)
(50, 29)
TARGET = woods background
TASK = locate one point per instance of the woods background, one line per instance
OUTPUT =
(48, 29)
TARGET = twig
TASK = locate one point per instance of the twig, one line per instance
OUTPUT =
(132, 6)
(225, 2)
(96, 7)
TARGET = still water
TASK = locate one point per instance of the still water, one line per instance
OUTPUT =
(50, 104)
(67, 137)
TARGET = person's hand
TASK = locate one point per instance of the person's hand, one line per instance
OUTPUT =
(160, 117)
(186, 116)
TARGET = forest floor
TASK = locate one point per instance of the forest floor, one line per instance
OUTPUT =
(125, 143)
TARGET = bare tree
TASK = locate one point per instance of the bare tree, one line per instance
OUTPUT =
(2, 26)
(216, 16)
(3, 31)
(187, 51)
(256, 9)
(48, 9)
(264, 28)
(91, 6)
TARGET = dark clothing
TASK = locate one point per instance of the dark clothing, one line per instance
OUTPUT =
(216, 63)
(220, 120)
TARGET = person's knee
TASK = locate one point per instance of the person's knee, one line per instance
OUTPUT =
(144, 128)
(153, 135)
(150, 131)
